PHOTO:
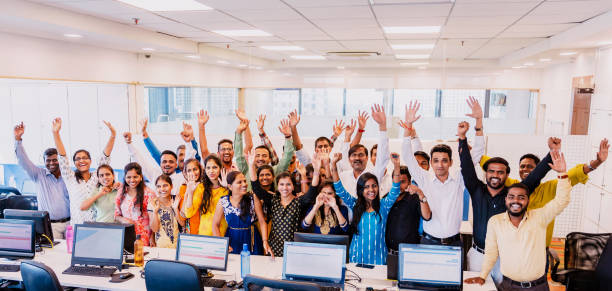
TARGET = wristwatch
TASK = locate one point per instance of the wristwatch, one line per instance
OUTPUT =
(424, 200)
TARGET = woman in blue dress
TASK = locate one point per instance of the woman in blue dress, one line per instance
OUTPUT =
(369, 214)
(241, 211)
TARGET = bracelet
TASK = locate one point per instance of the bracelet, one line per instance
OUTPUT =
(287, 136)
(361, 130)
(478, 128)
(262, 134)
(562, 176)
(590, 167)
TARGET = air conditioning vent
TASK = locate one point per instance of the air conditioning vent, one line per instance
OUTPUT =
(354, 54)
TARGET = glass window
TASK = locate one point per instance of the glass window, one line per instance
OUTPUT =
(322, 101)
(362, 99)
(454, 101)
(427, 98)
(285, 101)
(497, 104)
(181, 103)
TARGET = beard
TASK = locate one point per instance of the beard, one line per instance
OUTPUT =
(498, 186)
(517, 214)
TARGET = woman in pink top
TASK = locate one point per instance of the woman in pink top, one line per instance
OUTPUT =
(132, 200)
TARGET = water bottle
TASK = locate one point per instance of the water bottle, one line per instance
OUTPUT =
(138, 252)
(245, 261)
(69, 238)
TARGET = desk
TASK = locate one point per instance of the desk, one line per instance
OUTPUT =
(58, 260)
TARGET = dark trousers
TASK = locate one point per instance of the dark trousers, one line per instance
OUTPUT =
(506, 285)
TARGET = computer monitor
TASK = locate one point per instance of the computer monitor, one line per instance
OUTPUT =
(41, 221)
(314, 262)
(206, 252)
(430, 267)
(332, 239)
(129, 236)
(96, 244)
(17, 239)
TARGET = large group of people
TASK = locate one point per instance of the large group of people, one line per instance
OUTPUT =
(380, 199)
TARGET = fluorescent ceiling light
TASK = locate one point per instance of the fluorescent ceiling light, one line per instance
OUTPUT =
(242, 65)
(414, 64)
(411, 29)
(411, 57)
(567, 53)
(72, 35)
(412, 46)
(282, 48)
(528, 64)
(222, 62)
(545, 60)
(518, 67)
(242, 32)
(604, 43)
(165, 5)
(308, 57)
(193, 56)
(148, 49)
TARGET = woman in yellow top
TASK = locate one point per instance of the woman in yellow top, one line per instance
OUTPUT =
(191, 188)
(205, 204)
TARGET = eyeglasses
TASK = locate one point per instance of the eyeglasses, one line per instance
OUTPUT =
(81, 159)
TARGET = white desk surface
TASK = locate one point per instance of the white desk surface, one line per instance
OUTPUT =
(58, 259)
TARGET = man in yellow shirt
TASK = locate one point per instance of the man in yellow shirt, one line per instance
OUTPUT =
(517, 235)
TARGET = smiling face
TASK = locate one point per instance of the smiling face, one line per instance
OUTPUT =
(441, 162)
(329, 192)
(239, 185)
(262, 157)
(82, 161)
(496, 175)
(285, 186)
(193, 168)
(373, 157)
(525, 167)
(212, 170)
(226, 152)
(322, 145)
(517, 201)
(132, 178)
(265, 177)
(52, 164)
(168, 164)
(370, 190)
(181, 157)
(164, 189)
(423, 162)
(106, 177)
(359, 159)
(404, 182)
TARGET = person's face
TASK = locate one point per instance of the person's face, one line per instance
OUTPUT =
(226, 152)
(358, 159)
(212, 170)
(163, 188)
(51, 163)
(496, 175)
(322, 145)
(265, 177)
(373, 157)
(292, 163)
(525, 167)
(370, 191)
(423, 162)
(181, 158)
(132, 179)
(168, 164)
(239, 186)
(517, 201)
(441, 163)
(285, 186)
(106, 177)
(404, 182)
(82, 162)
(193, 169)
(329, 192)
(262, 157)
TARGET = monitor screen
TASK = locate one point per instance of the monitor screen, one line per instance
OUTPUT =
(98, 243)
(209, 252)
(41, 221)
(16, 236)
(324, 262)
(430, 264)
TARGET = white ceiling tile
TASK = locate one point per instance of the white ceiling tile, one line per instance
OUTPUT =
(489, 9)
(278, 14)
(515, 41)
(320, 45)
(230, 24)
(545, 28)
(241, 4)
(365, 45)
(452, 29)
(553, 19)
(465, 35)
(326, 3)
(173, 28)
(593, 7)
(412, 10)
(196, 17)
(211, 37)
(346, 23)
(482, 20)
(531, 34)
(413, 21)
(340, 12)
(412, 36)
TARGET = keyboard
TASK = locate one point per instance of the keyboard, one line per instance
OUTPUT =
(89, 271)
(9, 267)
(214, 283)
(327, 288)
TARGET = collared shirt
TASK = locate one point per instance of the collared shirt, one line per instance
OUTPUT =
(445, 198)
(79, 191)
(522, 249)
(403, 221)
(52, 194)
(156, 154)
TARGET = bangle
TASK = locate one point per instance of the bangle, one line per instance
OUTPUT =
(262, 134)
(564, 176)
(361, 130)
(590, 167)
(478, 128)
(287, 136)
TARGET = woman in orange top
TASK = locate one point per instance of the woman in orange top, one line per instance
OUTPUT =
(192, 188)
(204, 205)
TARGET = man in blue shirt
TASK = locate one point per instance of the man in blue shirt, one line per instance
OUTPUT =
(51, 191)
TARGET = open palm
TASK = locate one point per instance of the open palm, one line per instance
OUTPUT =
(411, 112)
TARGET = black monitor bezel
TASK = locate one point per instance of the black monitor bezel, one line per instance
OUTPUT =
(324, 239)
(19, 254)
(39, 217)
(97, 261)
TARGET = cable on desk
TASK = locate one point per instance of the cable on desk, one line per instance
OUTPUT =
(358, 277)
(50, 240)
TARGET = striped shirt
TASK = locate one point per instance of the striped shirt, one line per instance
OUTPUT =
(368, 246)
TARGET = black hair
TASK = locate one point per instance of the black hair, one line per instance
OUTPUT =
(442, 148)
(284, 175)
(104, 166)
(208, 183)
(180, 147)
(336, 197)
(357, 147)
(404, 171)
(530, 156)
(374, 147)
(169, 152)
(50, 152)
(245, 202)
(520, 186)
(309, 169)
(164, 178)
(362, 205)
(266, 148)
(323, 138)
(225, 140)
(269, 168)
(189, 161)
(77, 174)
(496, 160)
(139, 188)
(422, 154)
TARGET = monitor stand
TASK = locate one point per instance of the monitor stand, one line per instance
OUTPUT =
(204, 273)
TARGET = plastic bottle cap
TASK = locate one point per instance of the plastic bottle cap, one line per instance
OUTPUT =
(245, 247)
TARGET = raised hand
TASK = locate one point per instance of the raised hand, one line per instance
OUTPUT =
(56, 125)
(19, 130)
(379, 115)
(337, 158)
(127, 136)
(301, 169)
(338, 127)
(187, 133)
(411, 112)
(143, 125)
(110, 127)
(362, 119)
(350, 129)
(240, 114)
(175, 204)
(324, 156)
(475, 106)
(285, 128)
(554, 143)
(320, 201)
(294, 118)
(155, 203)
(242, 126)
(602, 154)
(462, 129)
(558, 162)
(316, 163)
(331, 202)
(395, 159)
(261, 121)
(191, 182)
(203, 117)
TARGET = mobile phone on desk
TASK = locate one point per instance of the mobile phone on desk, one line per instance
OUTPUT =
(361, 265)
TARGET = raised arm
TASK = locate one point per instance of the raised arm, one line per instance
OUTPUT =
(478, 149)
(288, 150)
(389, 199)
(562, 198)
(417, 173)
(248, 138)
(261, 121)
(241, 161)
(468, 171)
(602, 156)
(294, 119)
(22, 158)
(150, 170)
(187, 134)
(362, 118)
(151, 147)
(379, 115)
(340, 191)
(59, 145)
(111, 139)
(203, 118)
(533, 179)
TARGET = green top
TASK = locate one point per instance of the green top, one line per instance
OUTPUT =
(104, 206)
(243, 165)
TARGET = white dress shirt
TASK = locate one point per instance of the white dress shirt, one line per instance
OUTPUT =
(348, 179)
(445, 198)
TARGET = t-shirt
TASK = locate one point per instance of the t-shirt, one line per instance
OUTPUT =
(403, 221)
(104, 206)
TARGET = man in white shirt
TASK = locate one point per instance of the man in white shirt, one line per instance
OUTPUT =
(443, 190)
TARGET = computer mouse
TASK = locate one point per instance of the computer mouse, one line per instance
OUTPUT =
(231, 283)
(126, 276)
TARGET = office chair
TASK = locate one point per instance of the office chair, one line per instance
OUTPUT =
(256, 283)
(163, 275)
(38, 277)
(582, 252)
(603, 272)
(21, 202)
